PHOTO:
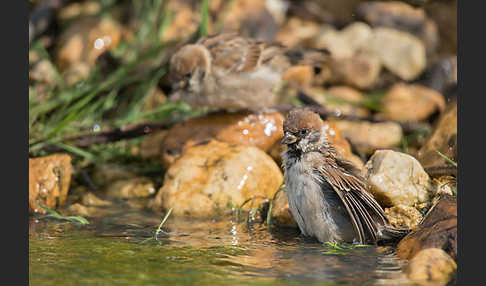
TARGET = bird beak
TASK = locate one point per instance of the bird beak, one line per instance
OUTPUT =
(179, 85)
(288, 139)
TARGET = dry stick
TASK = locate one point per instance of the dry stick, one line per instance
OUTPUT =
(125, 132)
(441, 170)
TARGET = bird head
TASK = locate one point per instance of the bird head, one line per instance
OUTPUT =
(190, 63)
(303, 130)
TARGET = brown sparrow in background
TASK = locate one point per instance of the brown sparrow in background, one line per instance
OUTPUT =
(327, 196)
(230, 72)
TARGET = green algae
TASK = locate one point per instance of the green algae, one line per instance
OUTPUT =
(202, 253)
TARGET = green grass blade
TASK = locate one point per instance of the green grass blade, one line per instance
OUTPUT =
(446, 158)
(204, 18)
(159, 229)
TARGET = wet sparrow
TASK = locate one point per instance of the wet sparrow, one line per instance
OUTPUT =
(327, 196)
(230, 72)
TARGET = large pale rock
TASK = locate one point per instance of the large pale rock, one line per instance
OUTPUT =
(259, 130)
(431, 266)
(362, 70)
(437, 230)
(49, 179)
(442, 139)
(346, 42)
(213, 177)
(413, 102)
(403, 17)
(368, 136)
(401, 53)
(398, 179)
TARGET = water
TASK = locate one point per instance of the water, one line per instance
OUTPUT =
(119, 249)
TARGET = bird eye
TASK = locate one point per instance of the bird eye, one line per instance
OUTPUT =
(303, 131)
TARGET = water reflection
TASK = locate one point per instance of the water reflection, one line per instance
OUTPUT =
(242, 253)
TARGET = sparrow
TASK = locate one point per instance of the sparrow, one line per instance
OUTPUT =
(327, 196)
(230, 72)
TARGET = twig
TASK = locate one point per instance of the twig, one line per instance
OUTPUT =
(441, 170)
(124, 132)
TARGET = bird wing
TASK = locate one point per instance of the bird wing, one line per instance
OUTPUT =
(232, 53)
(365, 212)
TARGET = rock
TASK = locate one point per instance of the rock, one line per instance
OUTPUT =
(350, 101)
(78, 209)
(276, 152)
(403, 17)
(84, 40)
(75, 10)
(104, 174)
(437, 230)
(77, 72)
(139, 187)
(259, 130)
(340, 100)
(362, 70)
(350, 63)
(441, 75)
(299, 76)
(278, 9)
(368, 136)
(246, 17)
(413, 102)
(346, 42)
(342, 146)
(43, 72)
(250, 18)
(401, 53)
(431, 266)
(446, 185)
(297, 32)
(151, 146)
(444, 14)
(442, 139)
(49, 180)
(281, 215)
(90, 199)
(212, 177)
(397, 179)
(401, 216)
(338, 13)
